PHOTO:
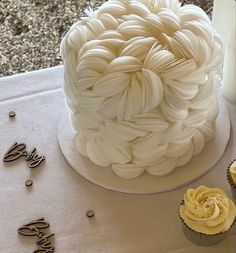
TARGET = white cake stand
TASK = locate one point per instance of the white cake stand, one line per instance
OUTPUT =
(105, 177)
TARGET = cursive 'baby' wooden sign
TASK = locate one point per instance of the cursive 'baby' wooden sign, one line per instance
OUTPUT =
(34, 229)
(18, 150)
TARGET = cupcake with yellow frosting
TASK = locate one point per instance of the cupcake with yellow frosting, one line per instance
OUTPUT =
(231, 177)
(206, 214)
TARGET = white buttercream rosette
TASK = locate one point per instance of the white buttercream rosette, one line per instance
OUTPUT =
(207, 210)
(141, 82)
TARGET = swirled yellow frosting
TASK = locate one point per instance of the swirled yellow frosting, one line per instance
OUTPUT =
(232, 170)
(207, 210)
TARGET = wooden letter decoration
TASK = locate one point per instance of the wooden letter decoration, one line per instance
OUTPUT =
(18, 150)
(33, 229)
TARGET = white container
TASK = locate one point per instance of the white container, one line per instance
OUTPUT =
(223, 19)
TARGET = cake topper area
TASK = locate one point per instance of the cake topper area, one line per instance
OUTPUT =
(18, 150)
(33, 229)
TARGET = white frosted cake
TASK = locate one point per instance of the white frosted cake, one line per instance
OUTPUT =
(141, 81)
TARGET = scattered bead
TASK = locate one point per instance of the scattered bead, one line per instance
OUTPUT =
(12, 114)
(28, 182)
(90, 213)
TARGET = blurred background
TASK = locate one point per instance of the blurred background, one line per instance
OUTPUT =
(31, 30)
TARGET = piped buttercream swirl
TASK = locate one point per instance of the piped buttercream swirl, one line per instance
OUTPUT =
(207, 210)
(232, 170)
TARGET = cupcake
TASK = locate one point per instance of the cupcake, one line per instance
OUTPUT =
(206, 214)
(231, 177)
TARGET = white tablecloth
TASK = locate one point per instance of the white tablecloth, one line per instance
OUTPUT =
(123, 223)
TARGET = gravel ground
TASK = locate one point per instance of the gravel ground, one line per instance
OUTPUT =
(31, 31)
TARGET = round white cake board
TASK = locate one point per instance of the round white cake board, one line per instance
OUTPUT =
(105, 177)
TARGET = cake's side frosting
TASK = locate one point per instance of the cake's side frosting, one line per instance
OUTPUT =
(141, 81)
